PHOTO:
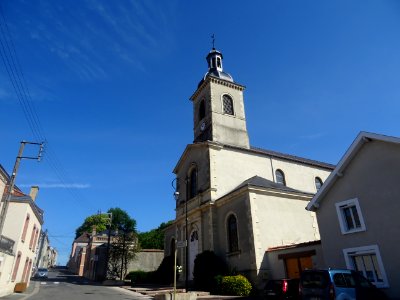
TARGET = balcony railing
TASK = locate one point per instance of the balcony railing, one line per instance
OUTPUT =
(6, 244)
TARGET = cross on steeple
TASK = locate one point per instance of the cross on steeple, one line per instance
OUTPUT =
(213, 41)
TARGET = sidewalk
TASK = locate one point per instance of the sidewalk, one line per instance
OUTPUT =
(152, 290)
(33, 288)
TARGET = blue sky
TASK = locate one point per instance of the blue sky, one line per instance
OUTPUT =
(110, 81)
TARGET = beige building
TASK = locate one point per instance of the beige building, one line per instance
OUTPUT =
(19, 238)
(358, 211)
(240, 200)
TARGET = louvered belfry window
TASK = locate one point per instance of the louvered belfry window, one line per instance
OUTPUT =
(227, 105)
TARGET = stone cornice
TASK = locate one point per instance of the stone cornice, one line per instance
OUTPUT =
(217, 81)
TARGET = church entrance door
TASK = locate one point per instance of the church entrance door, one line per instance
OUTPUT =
(193, 251)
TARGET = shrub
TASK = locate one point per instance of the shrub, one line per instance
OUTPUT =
(207, 266)
(235, 285)
(140, 277)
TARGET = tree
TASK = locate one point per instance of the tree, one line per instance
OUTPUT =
(121, 220)
(124, 243)
(153, 239)
(98, 220)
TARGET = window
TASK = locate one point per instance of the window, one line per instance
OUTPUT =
(227, 105)
(25, 270)
(233, 244)
(16, 266)
(25, 228)
(192, 184)
(202, 110)
(32, 237)
(280, 177)
(350, 217)
(318, 183)
(367, 261)
(35, 240)
(219, 65)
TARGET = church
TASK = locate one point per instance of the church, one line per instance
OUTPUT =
(241, 202)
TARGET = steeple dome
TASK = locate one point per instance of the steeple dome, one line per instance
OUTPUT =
(215, 69)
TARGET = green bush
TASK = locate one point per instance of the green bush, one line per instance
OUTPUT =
(140, 277)
(207, 266)
(234, 285)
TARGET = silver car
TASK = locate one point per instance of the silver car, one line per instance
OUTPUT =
(42, 273)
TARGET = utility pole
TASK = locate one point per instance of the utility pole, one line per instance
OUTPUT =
(108, 245)
(11, 183)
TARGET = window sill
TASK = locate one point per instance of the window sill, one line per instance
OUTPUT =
(354, 230)
(234, 253)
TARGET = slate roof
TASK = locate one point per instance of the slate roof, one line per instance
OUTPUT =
(83, 238)
(27, 199)
(285, 156)
(265, 183)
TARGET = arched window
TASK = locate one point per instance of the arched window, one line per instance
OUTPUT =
(16, 266)
(202, 110)
(192, 184)
(227, 105)
(233, 243)
(318, 183)
(280, 177)
(25, 228)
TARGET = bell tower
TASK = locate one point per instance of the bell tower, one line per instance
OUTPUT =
(218, 107)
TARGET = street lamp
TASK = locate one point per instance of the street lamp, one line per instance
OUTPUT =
(176, 196)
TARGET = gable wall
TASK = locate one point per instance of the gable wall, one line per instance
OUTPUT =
(372, 177)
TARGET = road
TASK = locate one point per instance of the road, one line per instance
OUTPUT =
(63, 286)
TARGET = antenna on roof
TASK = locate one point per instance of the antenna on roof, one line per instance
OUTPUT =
(213, 41)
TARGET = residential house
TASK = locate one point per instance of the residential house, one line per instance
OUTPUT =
(23, 228)
(89, 255)
(77, 258)
(358, 211)
(46, 256)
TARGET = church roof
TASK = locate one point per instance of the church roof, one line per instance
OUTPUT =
(270, 153)
(293, 158)
(265, 183)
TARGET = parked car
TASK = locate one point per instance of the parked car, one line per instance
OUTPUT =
(337, 284)
(42, 273)
(282, 289)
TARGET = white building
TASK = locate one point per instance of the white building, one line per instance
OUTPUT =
(240, 200)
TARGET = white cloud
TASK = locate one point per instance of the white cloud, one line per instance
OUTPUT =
(58, 185)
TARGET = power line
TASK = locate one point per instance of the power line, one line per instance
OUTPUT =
(14, 70)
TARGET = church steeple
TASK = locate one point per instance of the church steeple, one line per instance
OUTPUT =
(218, 108)
(214, 61)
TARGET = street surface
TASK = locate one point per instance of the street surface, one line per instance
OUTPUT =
(63, 286)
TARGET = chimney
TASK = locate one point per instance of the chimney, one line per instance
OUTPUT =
(33, 192)
(93, 230)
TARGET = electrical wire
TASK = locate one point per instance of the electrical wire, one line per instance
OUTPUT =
(14, 70)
